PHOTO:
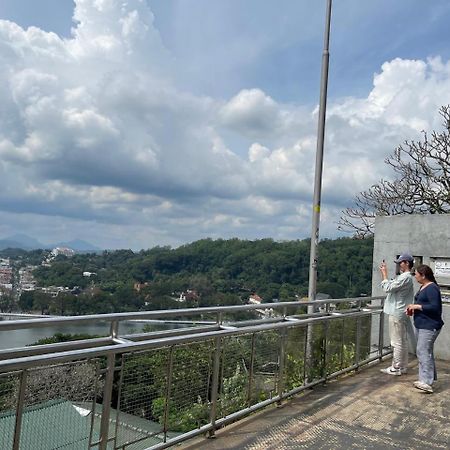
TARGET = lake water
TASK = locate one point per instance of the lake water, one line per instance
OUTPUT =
(21, 338)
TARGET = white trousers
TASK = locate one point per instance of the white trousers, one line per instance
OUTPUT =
(399, 342)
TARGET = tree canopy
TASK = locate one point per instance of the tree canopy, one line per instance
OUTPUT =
(214, 272)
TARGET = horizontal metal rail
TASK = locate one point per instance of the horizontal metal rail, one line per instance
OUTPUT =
(65, 356)
(118, 317)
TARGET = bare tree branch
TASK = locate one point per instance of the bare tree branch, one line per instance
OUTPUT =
(422, 185)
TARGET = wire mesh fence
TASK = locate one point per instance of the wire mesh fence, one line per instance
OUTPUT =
(266, 364)
(138, 398)
(141, 390)
(9, 387)
(295, 358)
(56, 406)
(236, 366)
(188, 401)
(163, 393)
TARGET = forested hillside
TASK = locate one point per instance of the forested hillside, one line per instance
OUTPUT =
(216, 272)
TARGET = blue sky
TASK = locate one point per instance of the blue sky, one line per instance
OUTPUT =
(139, 123)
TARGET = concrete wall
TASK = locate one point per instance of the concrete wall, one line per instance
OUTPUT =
(427, 238)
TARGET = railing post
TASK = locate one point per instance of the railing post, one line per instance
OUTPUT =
(342, 345)
(358, 342)
(94, 403)
(168, 392)
(215, 386)
(114, 329)
(306, 358)
(325, 350)
(250, 374)
(19, 409)
(119, 396)
(281, 364)
(107, 396)
(381, 336)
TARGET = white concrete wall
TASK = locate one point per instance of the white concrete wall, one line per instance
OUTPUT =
(426, 236)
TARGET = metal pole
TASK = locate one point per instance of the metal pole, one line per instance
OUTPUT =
(107, 396)
(358, 342)
(215, 386)
(250, 373)
(168, 393)
(319, 161)
(114, 329)
(19, 409)
(381, 336)
(281, 363)
(312, 286)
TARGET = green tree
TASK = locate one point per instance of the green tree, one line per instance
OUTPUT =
(6, 300)
(26, 300)
(41, 302)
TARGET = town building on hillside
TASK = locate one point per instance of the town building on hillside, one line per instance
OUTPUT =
(139, 286)
(26, 279)
(255, 299)
(190, 295)
(66, 251)
(5, 275)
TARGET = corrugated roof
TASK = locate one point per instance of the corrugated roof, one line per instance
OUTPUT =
(50, 425)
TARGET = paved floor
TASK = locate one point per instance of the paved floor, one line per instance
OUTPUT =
(367, 410)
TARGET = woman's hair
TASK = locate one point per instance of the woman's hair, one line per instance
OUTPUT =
(426, 272)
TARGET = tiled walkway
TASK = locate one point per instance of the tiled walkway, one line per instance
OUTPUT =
(367, 410)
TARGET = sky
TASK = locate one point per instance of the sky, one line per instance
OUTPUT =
(137, 123)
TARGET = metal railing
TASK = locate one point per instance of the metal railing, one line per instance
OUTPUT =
(155, 389)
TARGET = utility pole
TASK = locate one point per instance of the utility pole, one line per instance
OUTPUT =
(312, 287)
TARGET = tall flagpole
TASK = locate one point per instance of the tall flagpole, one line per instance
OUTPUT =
(312, 287)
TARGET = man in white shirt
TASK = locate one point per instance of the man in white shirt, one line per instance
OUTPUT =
(400, 292)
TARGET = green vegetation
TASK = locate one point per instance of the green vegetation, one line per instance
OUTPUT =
(218, 272)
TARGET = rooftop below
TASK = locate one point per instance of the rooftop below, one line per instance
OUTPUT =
(364, 410)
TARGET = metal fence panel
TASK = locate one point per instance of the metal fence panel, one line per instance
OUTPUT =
(295, 368)
(9, 388)
(235, 373)
(58, 406)
(265, 366)
(188, 405)
(142, 393)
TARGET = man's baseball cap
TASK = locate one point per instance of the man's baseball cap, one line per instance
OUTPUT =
(404, 257)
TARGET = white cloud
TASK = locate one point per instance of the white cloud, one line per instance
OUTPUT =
(252, 112)
(95, 131)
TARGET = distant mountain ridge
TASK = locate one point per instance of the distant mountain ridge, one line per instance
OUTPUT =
(25, 242)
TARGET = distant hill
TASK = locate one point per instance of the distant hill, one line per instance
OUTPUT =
(8, 243)
(25, 242)
(21, 241)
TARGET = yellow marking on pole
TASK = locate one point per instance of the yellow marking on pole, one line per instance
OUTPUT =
(316, 208)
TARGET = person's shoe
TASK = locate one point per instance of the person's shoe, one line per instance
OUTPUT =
(391, 371)
(423, 386)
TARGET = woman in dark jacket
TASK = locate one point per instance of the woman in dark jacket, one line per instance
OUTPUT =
(427, 311)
